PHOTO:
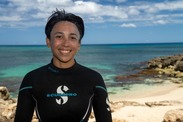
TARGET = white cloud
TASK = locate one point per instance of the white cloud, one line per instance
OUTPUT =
(10, 18)
(161, 22)
(86, 7)
(98, 12)
(128, 25)
(174, 5)
(37, 11)
(133, 11)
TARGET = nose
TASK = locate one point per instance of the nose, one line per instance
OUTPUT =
(65, 42)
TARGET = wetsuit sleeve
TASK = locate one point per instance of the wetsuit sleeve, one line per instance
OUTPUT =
(101, 106)
(25, 104)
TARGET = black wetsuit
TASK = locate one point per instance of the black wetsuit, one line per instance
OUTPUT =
(63, 95)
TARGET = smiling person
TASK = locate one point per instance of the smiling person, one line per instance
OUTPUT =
(63, 90)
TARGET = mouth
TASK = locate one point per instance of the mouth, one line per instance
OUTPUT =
(65, 52)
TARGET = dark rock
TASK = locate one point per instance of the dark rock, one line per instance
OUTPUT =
(162, 103)
(4, 93)
(154, 63)
(163, 62)
(179, 66)
(138, 76)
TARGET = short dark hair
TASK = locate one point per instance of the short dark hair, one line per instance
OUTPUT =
(61, 15)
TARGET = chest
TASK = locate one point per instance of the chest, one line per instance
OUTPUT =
(63, 96)
(63, 90)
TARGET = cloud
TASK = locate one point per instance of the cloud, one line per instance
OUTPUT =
(10, 19)
(31, 12)
(170, 6)
(128, 25)
(161, 22)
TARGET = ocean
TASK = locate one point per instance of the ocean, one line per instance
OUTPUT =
(111, 60)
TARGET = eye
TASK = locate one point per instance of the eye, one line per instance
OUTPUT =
(58, 36)
(73, 38)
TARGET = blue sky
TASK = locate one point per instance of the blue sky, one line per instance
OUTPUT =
(106, 21)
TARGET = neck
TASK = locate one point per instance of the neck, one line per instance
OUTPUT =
(63, 65)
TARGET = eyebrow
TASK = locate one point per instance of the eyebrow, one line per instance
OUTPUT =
(58, 33)
(63, 33)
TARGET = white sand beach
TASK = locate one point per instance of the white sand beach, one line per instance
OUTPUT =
(162, 99)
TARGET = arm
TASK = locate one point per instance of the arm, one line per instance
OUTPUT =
(25, 104)
(101, 103)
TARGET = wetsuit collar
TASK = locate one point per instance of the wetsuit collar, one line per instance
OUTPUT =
(55, 69)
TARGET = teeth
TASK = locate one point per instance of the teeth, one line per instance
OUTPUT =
(65, 51)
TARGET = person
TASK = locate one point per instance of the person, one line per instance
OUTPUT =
(63, 90)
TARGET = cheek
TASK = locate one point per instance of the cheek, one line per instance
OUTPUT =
(55, 43)
(77, 47)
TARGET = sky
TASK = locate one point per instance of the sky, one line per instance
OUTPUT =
(22, 22)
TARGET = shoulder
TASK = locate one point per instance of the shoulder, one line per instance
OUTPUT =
(31, 76)
(87, 70)
(90, 74)
(95, 77)
(39, 71)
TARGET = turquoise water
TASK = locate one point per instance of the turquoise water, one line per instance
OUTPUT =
(110, 60)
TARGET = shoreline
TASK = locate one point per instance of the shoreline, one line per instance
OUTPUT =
(150, 106)
(144, 91)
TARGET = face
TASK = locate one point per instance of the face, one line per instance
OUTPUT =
(64, 43)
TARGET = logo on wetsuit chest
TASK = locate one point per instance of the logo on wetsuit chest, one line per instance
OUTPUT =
(62, 90)
(62, 93)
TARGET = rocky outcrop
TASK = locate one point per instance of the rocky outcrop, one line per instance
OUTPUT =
(171, 66)
(158, 70)
(4, 93)
(116, 105)
(173, 116)
(179, 66)
(162, 103)
(139, 76)
(167, 67)
(166, 61)
(7, 106)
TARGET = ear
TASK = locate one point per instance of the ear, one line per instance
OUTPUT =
(48, 43)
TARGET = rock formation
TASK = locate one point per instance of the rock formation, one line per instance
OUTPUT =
(173, 116)
(7, 106)
(161, 67)
(170, 65)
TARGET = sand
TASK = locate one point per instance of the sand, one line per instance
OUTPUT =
(170, 94)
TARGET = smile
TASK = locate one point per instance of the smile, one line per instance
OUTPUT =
(65, 51)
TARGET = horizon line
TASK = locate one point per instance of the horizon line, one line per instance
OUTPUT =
(95, 44)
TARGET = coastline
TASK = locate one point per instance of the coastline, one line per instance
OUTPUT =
(151, 108)
(158, 99)
(162, 102)
(151, 91)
